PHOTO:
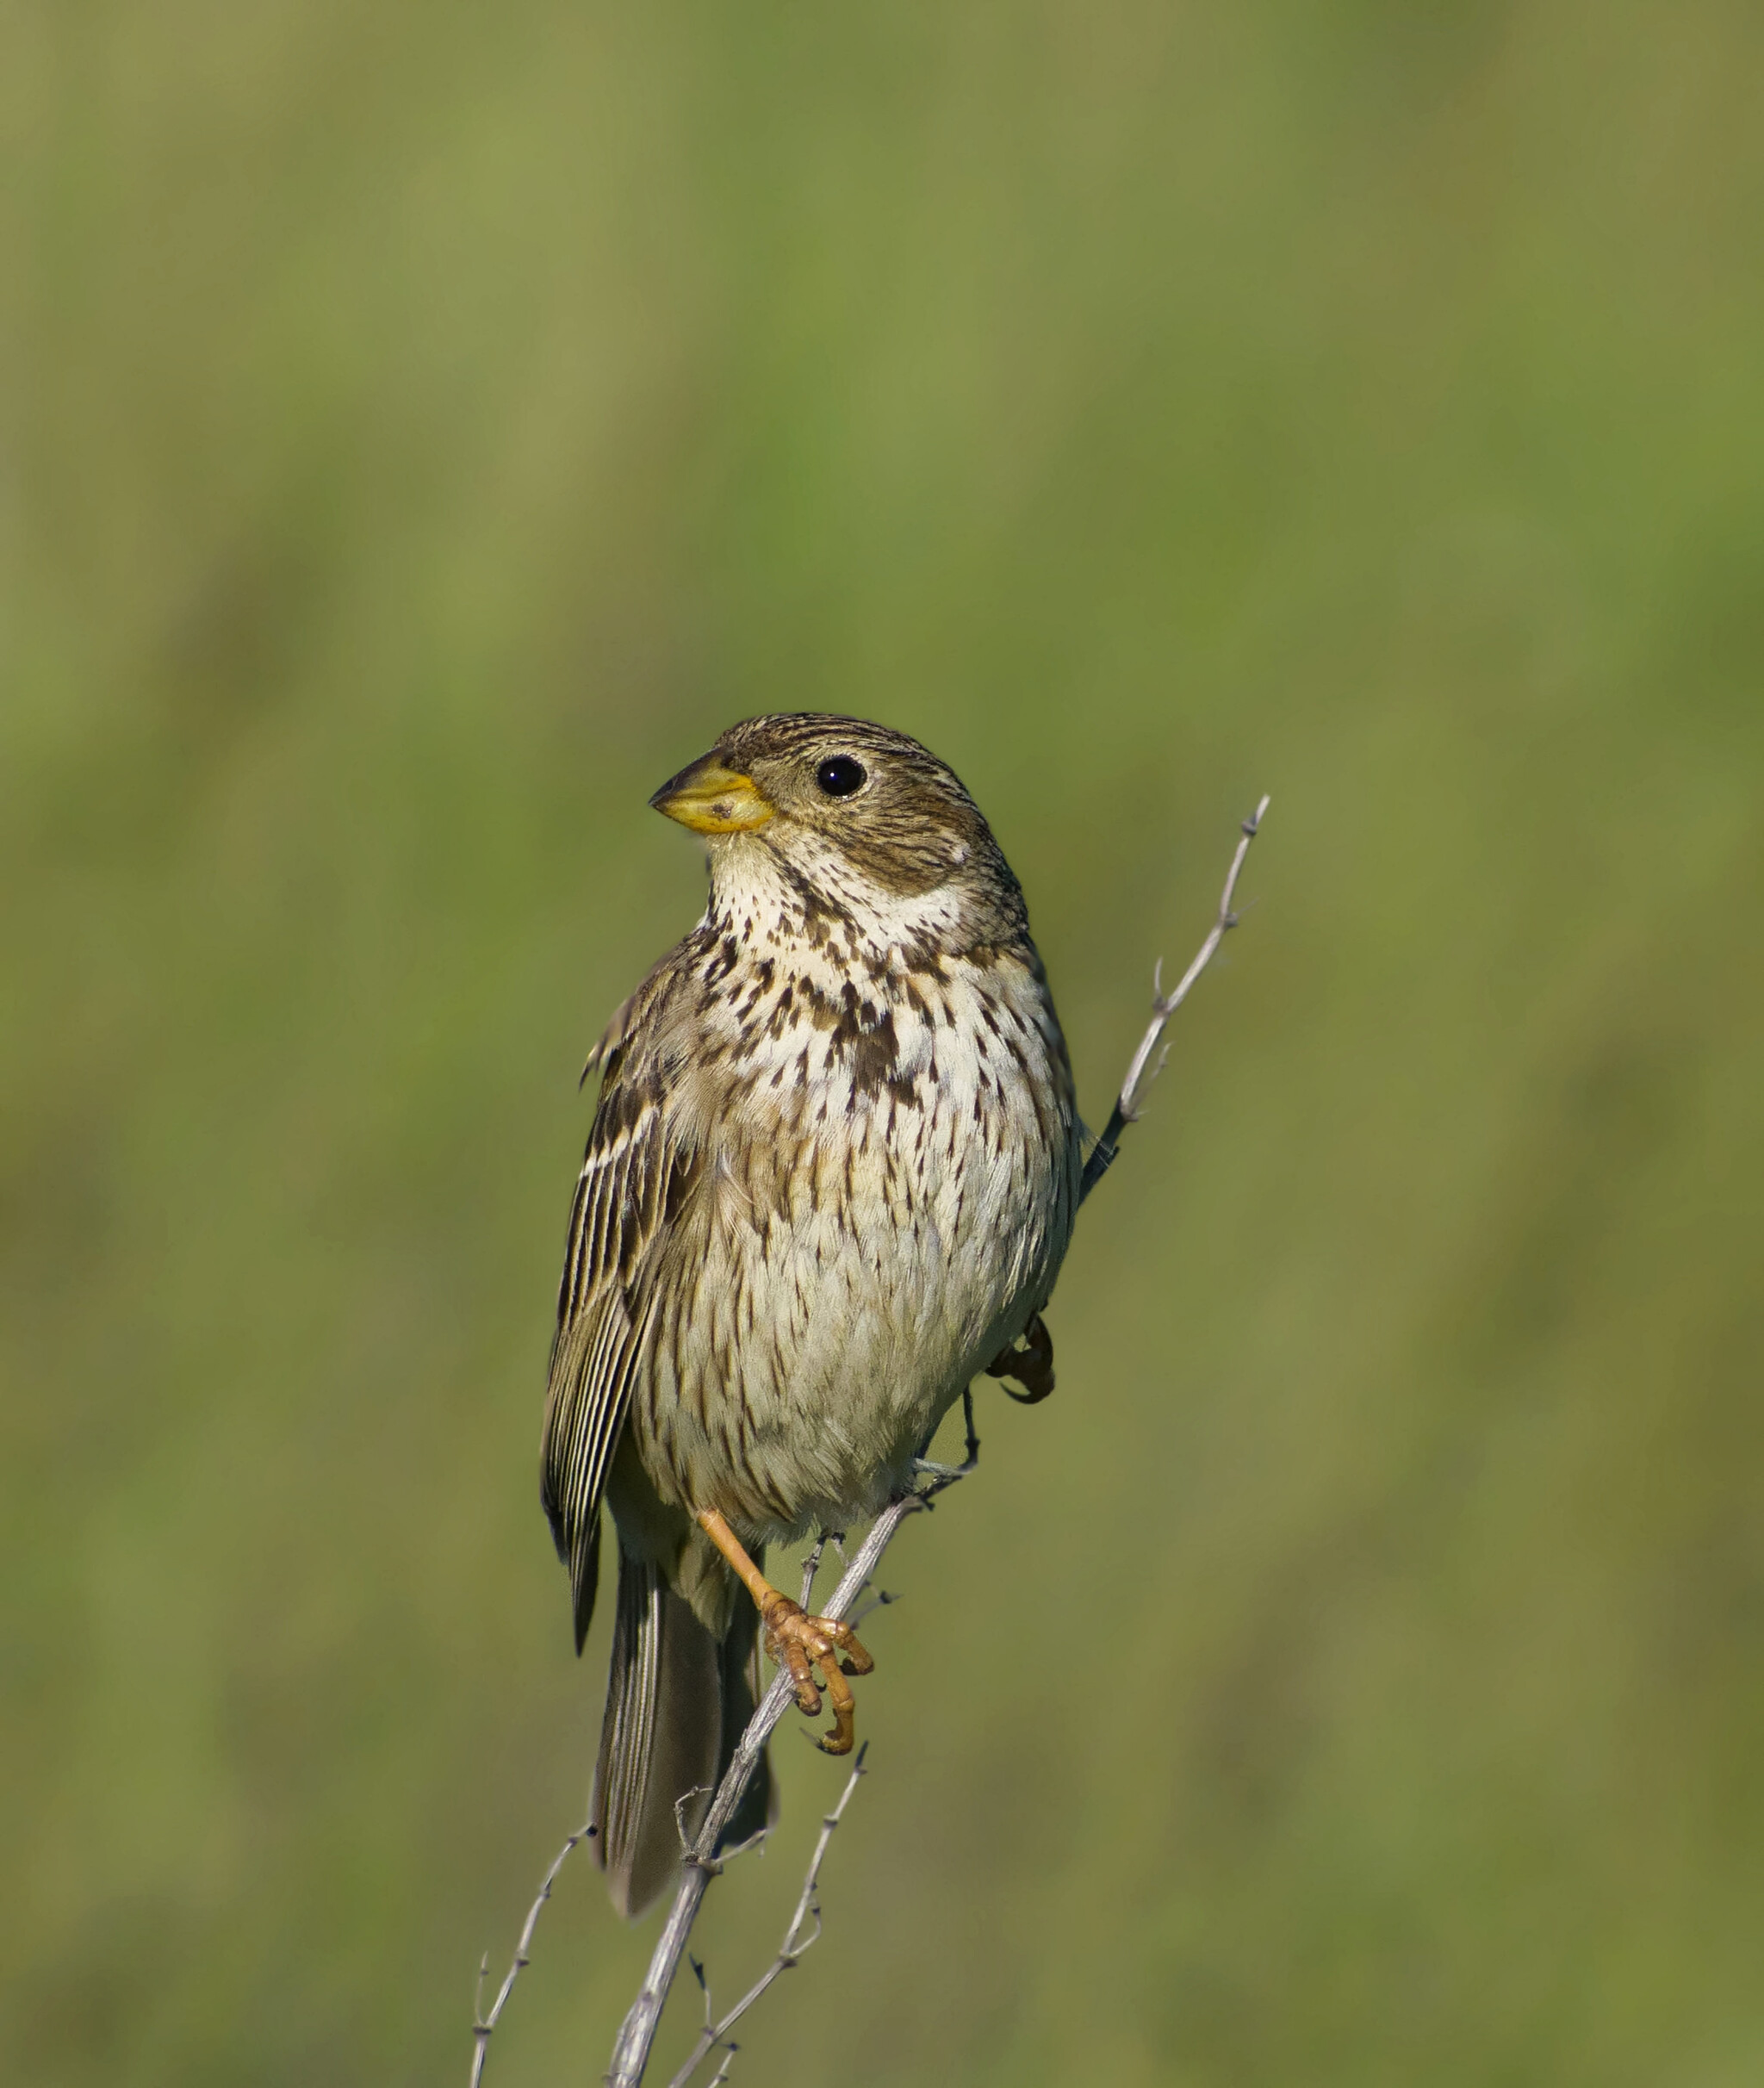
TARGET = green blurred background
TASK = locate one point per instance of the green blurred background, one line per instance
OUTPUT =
(424, 426)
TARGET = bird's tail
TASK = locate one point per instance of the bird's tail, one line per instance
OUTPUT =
(677, 1702)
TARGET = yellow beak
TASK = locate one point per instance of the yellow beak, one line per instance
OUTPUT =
(712, 799)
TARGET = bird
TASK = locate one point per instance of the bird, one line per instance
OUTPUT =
(833, 1170)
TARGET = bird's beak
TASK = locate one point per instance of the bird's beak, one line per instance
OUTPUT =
(712, 799)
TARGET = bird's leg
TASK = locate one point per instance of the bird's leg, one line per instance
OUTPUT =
(798, 1642)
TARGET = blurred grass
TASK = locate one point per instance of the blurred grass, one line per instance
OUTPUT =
(424, 429)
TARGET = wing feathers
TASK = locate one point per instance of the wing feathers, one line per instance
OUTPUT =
(633, 1180)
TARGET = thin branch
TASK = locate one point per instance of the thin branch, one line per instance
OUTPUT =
(630, 2055)
(1126, 1106)
(483, 2025)
(790, 1951)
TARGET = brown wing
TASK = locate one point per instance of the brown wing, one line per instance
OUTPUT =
(634, 1179)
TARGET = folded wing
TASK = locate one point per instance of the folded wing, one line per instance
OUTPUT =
(635, 1176)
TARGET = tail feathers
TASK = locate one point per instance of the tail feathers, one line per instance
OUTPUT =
(676, 1704)
(739, 1668)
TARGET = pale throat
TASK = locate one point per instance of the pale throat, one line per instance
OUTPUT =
(756, 897)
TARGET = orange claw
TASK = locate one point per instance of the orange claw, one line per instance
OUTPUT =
(799, 1643)
(838, 1742)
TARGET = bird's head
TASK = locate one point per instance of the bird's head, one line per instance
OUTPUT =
(867, 819)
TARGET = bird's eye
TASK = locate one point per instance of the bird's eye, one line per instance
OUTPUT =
(839, 775)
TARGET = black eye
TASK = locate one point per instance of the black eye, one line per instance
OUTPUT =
(839, 776)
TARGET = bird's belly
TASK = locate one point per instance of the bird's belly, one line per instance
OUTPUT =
(861, 1257)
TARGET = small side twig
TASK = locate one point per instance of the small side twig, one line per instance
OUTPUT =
(789, 1952)
(1164, 1006)
(883, 1599)
(811, 1566)
(483, 2025)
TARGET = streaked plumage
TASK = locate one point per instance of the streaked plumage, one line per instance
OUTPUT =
(832, 1175)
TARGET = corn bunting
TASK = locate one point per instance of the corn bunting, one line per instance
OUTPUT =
(831, 1177)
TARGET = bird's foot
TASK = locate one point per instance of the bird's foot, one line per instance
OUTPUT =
(1029, 1359)
(801, 1643)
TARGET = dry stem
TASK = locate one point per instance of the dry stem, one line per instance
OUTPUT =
(483, 2025)
(789, 1952)
(1126, 1106)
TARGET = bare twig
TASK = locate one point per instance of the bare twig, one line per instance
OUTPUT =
(631, 2053)
(1164, 1006)
(789, 1952)
(483, 2025)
